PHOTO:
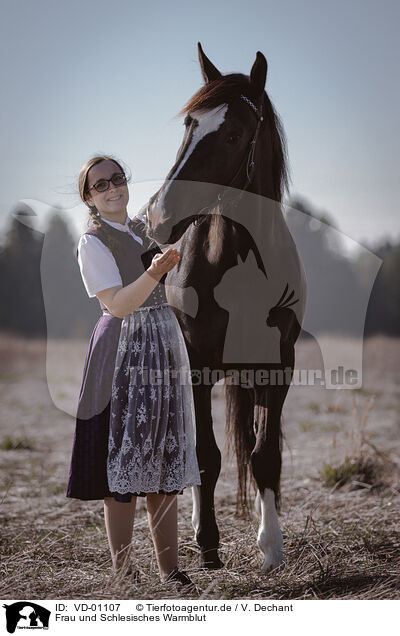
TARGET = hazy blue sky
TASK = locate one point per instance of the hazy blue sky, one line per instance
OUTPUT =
(85, 76)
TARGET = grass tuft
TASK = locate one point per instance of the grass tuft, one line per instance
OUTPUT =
(364, 466)
(366, 471)
(16, 443)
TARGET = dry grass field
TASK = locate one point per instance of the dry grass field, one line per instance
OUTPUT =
(340, 493)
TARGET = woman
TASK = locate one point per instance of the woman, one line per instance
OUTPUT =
(134, 434)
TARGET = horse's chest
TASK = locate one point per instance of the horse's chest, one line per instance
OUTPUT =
(204, 330)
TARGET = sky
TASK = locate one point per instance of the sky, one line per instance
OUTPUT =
(88, 76)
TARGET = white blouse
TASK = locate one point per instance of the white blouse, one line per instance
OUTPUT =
(97, 264)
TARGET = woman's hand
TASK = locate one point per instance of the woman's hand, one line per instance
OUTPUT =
(121, 301)
(163, 263)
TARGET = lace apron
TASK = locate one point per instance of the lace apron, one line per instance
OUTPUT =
(151, 446)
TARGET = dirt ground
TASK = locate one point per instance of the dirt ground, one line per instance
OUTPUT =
(339, 542)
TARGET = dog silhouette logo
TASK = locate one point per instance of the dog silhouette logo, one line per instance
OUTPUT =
(26, 615)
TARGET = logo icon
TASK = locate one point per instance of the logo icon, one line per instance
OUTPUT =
(26, 615)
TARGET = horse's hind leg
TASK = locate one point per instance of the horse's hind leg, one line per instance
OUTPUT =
(266, 467)
(209, 460)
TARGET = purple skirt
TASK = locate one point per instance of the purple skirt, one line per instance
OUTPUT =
(88, 469)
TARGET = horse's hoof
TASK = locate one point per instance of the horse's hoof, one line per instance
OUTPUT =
(215, 564)
(210, 560)
(273, 562)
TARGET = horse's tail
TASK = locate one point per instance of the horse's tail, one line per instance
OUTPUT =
(240, 430)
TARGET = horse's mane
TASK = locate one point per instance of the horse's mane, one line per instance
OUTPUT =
(227, 89)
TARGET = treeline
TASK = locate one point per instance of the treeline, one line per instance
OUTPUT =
(41, 290)
(341, 282)
(383, 314)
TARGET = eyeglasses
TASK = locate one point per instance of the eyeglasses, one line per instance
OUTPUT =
(118, 179)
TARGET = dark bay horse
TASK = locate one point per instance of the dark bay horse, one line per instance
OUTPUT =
(239, 289)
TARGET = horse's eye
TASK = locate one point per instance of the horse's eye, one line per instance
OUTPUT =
(232, 139)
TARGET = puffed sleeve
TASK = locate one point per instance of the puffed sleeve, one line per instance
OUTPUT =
(97, 264)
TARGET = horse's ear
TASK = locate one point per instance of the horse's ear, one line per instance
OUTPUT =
(258, 74)
(208, 69)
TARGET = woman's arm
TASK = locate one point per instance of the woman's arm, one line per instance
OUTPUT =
(121, 301)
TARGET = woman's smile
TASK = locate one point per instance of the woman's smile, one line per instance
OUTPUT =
(112, 202)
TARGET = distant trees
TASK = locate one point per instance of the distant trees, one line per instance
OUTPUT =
(41, 290)
(383, 314)
(328, 267)
(21, 300)
(69, 311)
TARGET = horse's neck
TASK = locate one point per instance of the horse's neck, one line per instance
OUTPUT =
(225, 239)
(264, 181)
(256, 224)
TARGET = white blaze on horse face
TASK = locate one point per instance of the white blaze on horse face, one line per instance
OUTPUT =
(269, 538)
(208, 121)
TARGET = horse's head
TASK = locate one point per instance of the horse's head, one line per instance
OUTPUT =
(231, 131)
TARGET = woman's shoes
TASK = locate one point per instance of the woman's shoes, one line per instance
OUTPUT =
(181, 581)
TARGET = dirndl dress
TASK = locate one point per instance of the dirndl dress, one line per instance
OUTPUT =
(151, 445)
(152, 426)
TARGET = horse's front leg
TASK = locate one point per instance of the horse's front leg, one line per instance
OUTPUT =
(209, 460)
(266, 467)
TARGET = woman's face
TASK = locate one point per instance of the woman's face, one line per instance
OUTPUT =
(113, 201)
